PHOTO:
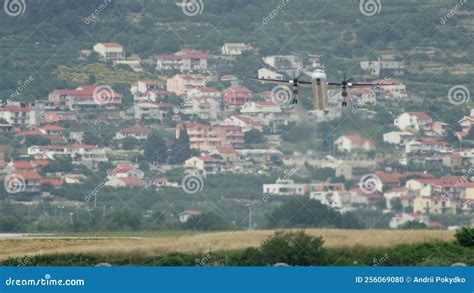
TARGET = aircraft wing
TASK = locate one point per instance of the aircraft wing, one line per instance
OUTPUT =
(278, 81)
(362, 85)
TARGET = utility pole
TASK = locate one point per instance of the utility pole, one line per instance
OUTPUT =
(252, 210)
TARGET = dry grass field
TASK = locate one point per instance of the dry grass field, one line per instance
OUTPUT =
(162, 243)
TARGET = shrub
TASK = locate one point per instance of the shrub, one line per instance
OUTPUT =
(294, 248)
(465, 236)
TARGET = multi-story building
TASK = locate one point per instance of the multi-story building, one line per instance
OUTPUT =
(183, 61)
(110, 51)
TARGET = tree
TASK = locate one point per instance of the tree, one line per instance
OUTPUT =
(397, 204)
(129, 143)
(253, 136)
(294, 248)
(59, 165)
(155, 149)
(207, 221)
(303, 212)
(465, 236)
(180, 151)
(411, 225)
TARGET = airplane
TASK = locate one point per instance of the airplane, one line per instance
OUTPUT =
(319, 85)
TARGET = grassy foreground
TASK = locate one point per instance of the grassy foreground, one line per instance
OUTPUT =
(149, 244)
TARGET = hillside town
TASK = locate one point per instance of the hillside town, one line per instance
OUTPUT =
(201, 124)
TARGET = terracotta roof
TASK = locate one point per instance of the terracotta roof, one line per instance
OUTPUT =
(123, 168)
(16, 109)
(56, 182)
(420, 115)
(132, 181)
(29, 175)
(135, 129)
(226, 150)
(239, 90)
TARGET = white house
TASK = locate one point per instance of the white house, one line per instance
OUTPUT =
(285, 187)
(126, 170)
(183, 61)
(425, 146)
(398, 137)
(233, 49)
(203, 106)
(269, 74)
(352, 143)
(245, 122)
(181, 84)
(383, 68)
(154, 111)
(287, 63)
(205, 164)
(394, 87)
(109, 51)
(19, 116)
(254, 108)
(342, 201)
(186, 215)
(144, 86)
(136, 132)
(413, 121)
(402, 218)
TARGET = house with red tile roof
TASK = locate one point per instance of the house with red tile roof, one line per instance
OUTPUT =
(19, 116)
(245, 122)
(183, 61)
(227, 153)
(91, 97)
(427, 146)
(126, 170)
(180, 84)
(237, 96)
(55, 117)
(354, 143)
(109, 51)
(136, 132)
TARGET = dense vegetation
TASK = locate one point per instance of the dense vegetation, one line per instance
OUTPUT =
(290, 248)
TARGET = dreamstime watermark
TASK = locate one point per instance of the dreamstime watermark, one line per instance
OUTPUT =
(14, 183)
(93, 194)
(275, 11)
(22, 85)
(452, 12)
(370, 7)
(24, 261)
(14, 7)
(103, 95)
(281, 95)
(203, 261)
(192, 182)
(370, 183)
(377, 262)
(192, 7)
(458, 95)
(93, 16)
